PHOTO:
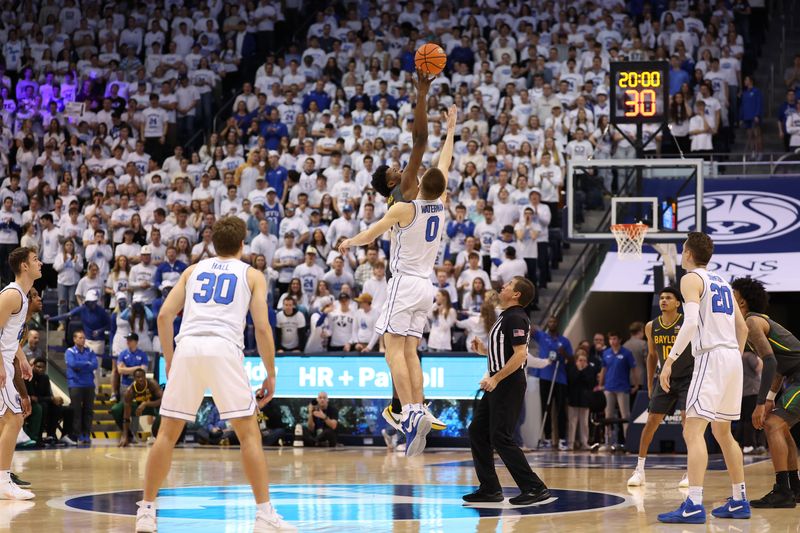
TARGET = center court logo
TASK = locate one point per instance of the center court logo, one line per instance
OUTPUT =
(741, 217)
(335, 507)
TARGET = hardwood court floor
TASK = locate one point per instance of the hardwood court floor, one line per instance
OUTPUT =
(364, 490)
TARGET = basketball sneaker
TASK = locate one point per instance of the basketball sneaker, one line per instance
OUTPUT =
(637, 479)
(145, 519)
(733, 509)
(9, 491)
(271, 522)
(684, 482)
(436, 424)
(19, 482)
(687, 513)
(392, 418)
(416, 428)
(777, 498)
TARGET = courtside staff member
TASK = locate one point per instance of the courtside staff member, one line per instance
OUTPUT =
(498, 411)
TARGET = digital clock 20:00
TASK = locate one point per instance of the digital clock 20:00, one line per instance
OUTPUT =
(639, 79)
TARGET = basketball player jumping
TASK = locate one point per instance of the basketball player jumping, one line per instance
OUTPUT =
(416, 235)
(717, 330)
(403, 186)
(661, 334)
(215, 295)
(780, 352)
(27, 268)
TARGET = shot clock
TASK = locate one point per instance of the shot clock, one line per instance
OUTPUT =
(639, 92)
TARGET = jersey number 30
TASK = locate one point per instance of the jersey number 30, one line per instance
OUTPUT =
(221, 288)
(722, 300)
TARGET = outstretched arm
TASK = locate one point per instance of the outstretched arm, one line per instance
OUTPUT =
(446, 154)
(396, 213)
(409, 184)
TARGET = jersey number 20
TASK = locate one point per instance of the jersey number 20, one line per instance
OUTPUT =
(221, 288)
(432, 229)
(722, 300)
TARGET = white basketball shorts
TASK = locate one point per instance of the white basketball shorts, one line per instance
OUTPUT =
(409, 299)
(716, 389)
(203, 363)
(9, 397)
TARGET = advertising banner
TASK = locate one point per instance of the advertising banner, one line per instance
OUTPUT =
(755, 224)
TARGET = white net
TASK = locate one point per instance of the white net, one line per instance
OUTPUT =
(630, 238)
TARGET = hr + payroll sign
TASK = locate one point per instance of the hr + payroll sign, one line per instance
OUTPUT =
(363, 376)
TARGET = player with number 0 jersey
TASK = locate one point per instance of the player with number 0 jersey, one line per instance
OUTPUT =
(416, 235)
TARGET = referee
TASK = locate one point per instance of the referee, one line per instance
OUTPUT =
(498, 411)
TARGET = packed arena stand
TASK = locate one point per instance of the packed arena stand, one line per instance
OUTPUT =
(127, 132)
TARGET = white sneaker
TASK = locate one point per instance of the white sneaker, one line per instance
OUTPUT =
(562, 445)
(604, 448)
(392, 418)
(637, 479)
(10, 491)
(747, 450)
(145, 519)
(271, 523)
(436, 424)
(684, 482)
(400, 448)
(68, 441)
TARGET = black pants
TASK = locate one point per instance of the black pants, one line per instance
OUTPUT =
(558, 408)
(325, 437)
(492, 428)
(544, 263)
(52, 414)
(533, 265)
(82, 400)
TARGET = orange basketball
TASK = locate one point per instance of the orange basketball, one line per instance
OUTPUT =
(430, 59)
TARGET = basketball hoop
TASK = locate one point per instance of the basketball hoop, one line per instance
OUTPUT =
(630, 238)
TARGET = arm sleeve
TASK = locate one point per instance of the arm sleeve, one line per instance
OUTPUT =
(691, 313)
(767, 375)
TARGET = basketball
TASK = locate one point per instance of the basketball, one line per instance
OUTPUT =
(430, 59)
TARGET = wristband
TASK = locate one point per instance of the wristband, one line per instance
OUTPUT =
(771, 396)
(673, 356)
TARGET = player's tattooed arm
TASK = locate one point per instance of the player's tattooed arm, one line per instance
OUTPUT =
(757, 329)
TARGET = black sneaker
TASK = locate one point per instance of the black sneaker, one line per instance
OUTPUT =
(776, 499)
(532, 496)
(19, 482)
(483, 497)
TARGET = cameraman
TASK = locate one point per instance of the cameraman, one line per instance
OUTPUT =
(323, 419)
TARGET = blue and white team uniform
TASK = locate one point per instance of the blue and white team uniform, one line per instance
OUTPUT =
(414, 249)
(10, 336)
(209, 349)
(715, 392)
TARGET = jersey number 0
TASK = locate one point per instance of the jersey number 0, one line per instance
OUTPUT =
(221, 288)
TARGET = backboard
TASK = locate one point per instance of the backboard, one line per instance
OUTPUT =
(664, 194)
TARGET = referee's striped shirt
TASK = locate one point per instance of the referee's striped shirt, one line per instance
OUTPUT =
(512, 329)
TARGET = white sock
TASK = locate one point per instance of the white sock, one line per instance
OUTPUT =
(5, 475)
(265, 507)
(147, 505)
(640, 464)
(696, 495)
(407, 408)
(738, 492)
(416, 407)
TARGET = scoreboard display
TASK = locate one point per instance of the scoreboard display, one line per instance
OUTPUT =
(639, 92)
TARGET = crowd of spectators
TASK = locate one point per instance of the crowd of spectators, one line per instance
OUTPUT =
(100, 101)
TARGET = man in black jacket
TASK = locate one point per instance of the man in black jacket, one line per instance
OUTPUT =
(47, 411)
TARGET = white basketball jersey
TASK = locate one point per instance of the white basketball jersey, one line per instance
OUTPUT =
(717, 327)
(11, 334)
(217, 301)
(415, 247)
